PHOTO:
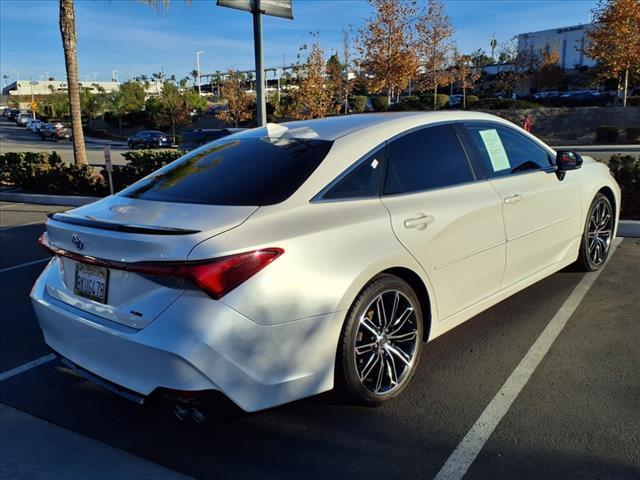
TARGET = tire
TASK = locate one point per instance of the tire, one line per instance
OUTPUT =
(597, 235)
(373, 366)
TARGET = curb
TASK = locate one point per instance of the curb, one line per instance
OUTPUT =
(40, 199)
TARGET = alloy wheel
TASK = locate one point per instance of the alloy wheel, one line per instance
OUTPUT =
(599, 232)
(386, 342)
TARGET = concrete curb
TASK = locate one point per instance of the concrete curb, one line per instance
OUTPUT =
(40, 199)
(629, 228)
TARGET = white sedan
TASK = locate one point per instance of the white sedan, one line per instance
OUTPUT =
(279, 262)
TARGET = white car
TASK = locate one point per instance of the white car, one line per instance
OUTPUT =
(275, 263)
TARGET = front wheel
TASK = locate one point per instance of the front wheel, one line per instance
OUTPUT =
(381, 341)
(597, 235)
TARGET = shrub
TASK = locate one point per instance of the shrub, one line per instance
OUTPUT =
(46, 172)
(471, 100)
(379, 104)
(607, 133)
(503, 104)
(633, 101)
(406, 104)
(426, 100)
(633, 134)
(626, 170)
(140, 164)
(358, 103)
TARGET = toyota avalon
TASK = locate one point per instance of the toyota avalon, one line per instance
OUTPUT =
(279, 262)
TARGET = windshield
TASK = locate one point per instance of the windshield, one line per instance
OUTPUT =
(242, 171)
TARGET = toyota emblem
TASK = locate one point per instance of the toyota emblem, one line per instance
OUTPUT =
(75, 239)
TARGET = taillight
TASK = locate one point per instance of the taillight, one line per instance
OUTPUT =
(216, 277)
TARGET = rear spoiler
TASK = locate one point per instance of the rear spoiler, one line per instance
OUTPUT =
(119, 227)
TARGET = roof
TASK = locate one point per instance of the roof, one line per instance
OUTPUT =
(331, 128)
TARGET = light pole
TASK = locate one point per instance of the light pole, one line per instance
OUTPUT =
(198, 53)
(33, 110)
(113, 75)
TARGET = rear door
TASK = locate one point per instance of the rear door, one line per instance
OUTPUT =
(541, 212)
(449, 219)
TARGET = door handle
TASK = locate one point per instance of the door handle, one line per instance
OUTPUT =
(512, 199)
(419, 222)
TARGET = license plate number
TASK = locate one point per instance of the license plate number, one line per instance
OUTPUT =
(91, 282)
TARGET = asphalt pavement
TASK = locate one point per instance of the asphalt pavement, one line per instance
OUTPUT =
(577, 417)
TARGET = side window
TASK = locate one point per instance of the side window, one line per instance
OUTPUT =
(505, 151)
(363, 181)
(431, 157)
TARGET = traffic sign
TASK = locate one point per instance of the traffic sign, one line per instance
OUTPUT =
(275, 8)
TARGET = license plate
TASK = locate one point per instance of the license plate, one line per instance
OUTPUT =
(91, 282)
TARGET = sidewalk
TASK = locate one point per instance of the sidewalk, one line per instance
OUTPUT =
(33, 449)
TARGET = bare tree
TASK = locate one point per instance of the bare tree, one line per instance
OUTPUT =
(434, 45)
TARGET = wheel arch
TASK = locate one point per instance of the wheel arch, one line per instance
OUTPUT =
(419, 287)
(608, 192)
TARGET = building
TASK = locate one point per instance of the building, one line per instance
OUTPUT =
(24, 87)
(568, 41)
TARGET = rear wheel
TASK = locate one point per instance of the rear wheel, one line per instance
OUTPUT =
(597, 235)
(381, 341)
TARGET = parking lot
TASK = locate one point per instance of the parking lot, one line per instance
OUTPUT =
(577, 416)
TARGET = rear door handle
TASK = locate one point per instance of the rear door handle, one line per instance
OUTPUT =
(419, 222)
(512, 199)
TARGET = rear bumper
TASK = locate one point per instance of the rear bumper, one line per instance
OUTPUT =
(197, 344)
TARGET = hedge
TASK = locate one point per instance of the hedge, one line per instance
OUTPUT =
(43, 172)
(426, 100)
(626, 170)
(379, 104)
(607, 134)
(358, 103)
(502, 104)
(633, 134)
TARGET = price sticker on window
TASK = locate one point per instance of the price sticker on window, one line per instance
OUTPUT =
(495, 150)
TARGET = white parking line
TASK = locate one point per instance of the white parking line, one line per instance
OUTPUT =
(466, 452)
(15, 267)
(2, 207)
(21, 225)
(27, 366)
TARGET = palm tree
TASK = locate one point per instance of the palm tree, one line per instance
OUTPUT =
(70, 46)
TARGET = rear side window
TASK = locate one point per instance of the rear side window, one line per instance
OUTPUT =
(362, 181)
(428, 158)
(505, 151)
(247, 171)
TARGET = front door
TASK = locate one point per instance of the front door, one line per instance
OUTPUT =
(541, 211)
(446, 218)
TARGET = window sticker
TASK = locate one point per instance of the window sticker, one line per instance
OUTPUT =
(495, 149)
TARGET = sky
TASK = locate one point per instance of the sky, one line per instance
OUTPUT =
(134, 39)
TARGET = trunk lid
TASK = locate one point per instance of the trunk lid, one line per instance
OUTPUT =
(121, 229)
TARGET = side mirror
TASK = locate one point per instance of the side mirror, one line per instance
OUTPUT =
(566, 161)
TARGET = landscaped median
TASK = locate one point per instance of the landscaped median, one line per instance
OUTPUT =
(45, 173)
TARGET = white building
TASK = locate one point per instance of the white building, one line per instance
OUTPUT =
(568, 41)
(24, 87)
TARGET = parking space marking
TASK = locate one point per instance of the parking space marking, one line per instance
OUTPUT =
(21, 225)
(27, 264)
(27, 366)
(468, 449)
(2, 207)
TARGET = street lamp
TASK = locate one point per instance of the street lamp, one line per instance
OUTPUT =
(33, 110)
(198, 69)
(113, 75)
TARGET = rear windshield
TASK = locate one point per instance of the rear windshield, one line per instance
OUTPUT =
(245, 171)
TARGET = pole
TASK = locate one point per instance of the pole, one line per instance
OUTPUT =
(198, 70)
(261, 103)
(33, 112)
(626, 87)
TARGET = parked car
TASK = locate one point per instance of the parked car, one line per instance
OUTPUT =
(23, 118)
(12, 113)
(149, 139)
(192, 139)
(34, 125)
(455, 100)
(55, 132)
(280, 261)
